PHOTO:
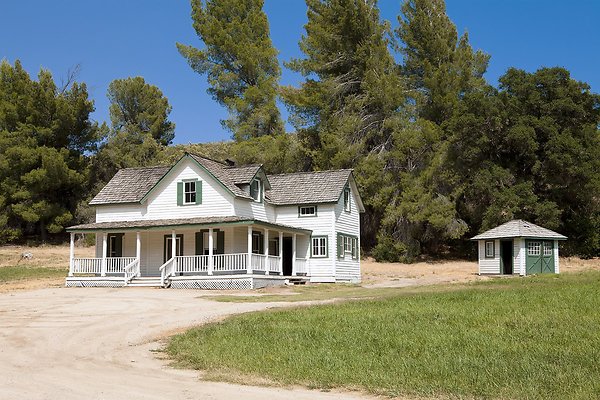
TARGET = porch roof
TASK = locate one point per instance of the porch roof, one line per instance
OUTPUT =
(157, 224)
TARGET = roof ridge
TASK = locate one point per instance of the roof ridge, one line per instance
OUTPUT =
(150, 167)
(206, 158)
(314, 172)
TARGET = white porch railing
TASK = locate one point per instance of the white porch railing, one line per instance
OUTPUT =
(87, 265)
(191, 264)
(230, 262)
(116, 265)
(258, 262)
(131, 270)
(301, 266)
(273, 264)
(167, 270)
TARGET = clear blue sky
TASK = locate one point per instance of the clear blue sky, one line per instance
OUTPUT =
(116, 39)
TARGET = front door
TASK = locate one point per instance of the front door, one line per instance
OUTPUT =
(506, 256)
(168, 248)
(287, 256)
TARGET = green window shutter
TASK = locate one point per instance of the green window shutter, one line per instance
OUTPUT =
(179, 193)
(340, 245)
(199, 243)
(220, 242)
(198, 192)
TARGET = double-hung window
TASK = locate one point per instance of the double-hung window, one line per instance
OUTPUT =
(490, 251)
(319, 246)
(189, 192)
(347, 246)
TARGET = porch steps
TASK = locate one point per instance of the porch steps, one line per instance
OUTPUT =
(297, 280)
(145, 282)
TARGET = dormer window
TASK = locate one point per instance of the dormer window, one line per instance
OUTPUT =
(256, 190)
(347, 199)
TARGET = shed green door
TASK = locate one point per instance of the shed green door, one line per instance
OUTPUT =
(540, 256)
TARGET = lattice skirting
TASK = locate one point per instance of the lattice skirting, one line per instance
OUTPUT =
(94, 283)
(213, 284)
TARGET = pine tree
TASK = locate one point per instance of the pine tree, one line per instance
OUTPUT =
(441, 67)
(45, 136)
(240, 63)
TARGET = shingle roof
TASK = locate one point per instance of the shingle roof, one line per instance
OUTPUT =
(161, 223)
(242, 174)
(307, 187)
(519, 228)
(223, 173)
(129, 185)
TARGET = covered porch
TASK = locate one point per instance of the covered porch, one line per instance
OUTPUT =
(189, 250)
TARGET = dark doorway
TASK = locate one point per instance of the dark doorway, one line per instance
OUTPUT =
(506, 256)
(287, 256)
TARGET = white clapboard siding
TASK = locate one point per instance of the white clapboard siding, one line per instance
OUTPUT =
(347, 269)
(489, 265)
(321, 269)
(262, 211)
(120, 212)
(517, 254)
(162, 202)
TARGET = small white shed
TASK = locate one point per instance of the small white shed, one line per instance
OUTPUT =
(518, 248)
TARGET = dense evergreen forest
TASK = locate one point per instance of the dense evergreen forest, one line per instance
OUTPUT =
(439, 153)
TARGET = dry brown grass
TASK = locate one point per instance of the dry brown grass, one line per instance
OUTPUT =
(53, 257)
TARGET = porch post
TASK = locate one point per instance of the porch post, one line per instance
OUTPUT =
(71, 254)
(280, 253)
(293, 255)
(249, 266)
(138, 252)
(266, 246)
(104, 249)
(210, 251)
(174, 249)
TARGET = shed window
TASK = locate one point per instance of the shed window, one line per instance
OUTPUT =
(490, 251)
(307, 211)
(547, 249)
(319, 246)
(189, 192)
(534, 248)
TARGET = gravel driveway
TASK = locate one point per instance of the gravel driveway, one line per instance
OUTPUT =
(97, 344)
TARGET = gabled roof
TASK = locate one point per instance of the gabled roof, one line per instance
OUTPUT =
(129, 185)
(308, 187)
(519, 228)
(134, 185)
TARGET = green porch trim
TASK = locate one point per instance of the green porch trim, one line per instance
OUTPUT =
(194, 225)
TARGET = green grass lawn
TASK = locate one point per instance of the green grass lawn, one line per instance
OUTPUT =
(534, 338)
(20, 273)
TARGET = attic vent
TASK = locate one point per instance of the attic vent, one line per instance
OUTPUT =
(229, 162)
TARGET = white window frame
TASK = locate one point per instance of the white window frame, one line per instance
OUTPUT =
(534, 248)
(302, 215)
(486, 248)
(192, 193)
(347, 244)
(320, 247)
(347, 202)
(259, 191)
(548, 246)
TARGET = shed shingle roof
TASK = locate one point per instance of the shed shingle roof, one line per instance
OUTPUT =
(519, 228)
(307, 187)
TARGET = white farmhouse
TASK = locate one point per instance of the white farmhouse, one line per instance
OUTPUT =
(204, 224)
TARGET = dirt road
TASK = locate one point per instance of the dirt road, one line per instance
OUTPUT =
(97, 343)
